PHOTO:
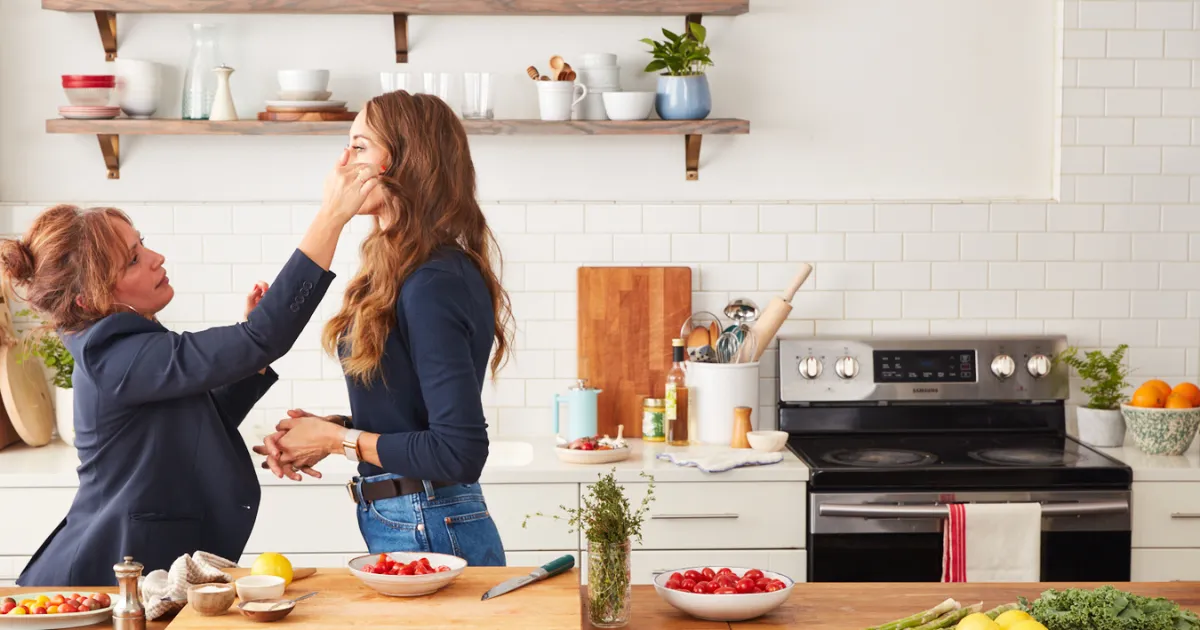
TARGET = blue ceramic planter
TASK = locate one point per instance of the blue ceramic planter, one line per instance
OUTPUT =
(683, 98)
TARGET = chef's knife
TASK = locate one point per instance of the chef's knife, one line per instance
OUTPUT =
(550, 569)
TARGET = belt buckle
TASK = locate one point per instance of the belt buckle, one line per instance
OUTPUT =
(350, 491)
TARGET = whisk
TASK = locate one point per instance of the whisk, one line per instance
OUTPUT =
(738, 341)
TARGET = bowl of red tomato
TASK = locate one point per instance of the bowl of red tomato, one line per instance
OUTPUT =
(404, 574)
(724, 594)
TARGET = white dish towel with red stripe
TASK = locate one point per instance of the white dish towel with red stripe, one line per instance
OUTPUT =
(993, 542)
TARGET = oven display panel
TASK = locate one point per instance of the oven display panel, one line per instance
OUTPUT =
(924, 366)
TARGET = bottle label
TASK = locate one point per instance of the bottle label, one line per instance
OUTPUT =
(654, 428)
(672, 412)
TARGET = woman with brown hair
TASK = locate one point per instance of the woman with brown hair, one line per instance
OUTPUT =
(414, 334)
(163, 470)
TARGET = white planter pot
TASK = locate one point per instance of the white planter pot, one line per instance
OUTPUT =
(64, 414)
(1101, 427)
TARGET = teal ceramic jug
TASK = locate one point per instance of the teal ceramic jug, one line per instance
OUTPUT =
(581, 410)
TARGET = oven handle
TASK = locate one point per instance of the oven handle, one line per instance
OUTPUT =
(942, 511)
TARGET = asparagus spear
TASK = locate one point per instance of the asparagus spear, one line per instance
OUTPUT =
(919, 618)
(1000, 610)
(950, 619)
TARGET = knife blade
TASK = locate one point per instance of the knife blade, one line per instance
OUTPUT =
(550, 569)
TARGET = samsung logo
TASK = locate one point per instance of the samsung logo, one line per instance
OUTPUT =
(925, 390)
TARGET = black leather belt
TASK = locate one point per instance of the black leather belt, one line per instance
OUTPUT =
(372, 491)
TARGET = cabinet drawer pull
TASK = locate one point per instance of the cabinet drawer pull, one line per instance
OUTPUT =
(690, 516)
(1185, 515)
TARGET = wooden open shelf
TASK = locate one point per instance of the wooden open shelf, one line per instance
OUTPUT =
(108, 132)
(106, 10)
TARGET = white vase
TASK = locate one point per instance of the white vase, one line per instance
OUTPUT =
(222, 107)
(64, 414)
(1101, 427)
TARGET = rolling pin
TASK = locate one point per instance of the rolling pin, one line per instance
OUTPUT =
(773, 316)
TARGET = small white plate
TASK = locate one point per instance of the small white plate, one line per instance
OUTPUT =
(577, 456)
(54, 622)
(304, 96)
(308, 104)
(82, 116)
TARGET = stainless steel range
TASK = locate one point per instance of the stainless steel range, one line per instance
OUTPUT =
(895, 429)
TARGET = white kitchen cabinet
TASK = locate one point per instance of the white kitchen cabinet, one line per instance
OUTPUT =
(1166, 515)
(722, 515)
(41, 510)
(308, 560)
(509, 503)
(646, 564)
(538, 558)
(1166, 565)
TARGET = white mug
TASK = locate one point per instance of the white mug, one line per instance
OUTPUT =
(556, 99)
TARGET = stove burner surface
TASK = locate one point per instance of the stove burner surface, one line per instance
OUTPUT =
(879, 457)
(1025, 457)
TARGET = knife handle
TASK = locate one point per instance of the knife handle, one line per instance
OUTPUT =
(558, 565)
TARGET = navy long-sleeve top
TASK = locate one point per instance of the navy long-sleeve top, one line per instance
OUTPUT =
(425, 402)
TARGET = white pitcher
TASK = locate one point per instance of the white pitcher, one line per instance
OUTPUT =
(222, 108)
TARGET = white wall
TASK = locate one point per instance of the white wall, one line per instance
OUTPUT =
(848, 99)
(1117, 259)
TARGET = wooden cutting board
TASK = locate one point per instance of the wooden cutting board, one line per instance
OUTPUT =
(342, 602)
(627, 318)
(308, 116)
(27, 401)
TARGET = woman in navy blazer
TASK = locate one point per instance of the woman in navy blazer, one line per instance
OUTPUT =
(163, 470)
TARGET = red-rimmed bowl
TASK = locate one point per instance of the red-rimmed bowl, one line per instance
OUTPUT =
(89, 80)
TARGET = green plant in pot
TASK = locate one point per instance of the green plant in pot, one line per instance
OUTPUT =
(610, 525)
(45, 344)
(1100, 421)
(680, 60)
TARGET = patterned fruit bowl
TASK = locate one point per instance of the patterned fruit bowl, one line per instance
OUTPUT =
(1162, 431)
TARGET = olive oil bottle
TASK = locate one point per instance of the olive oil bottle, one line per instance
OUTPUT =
(677, 397)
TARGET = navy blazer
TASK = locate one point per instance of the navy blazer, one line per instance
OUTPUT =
(163, 470)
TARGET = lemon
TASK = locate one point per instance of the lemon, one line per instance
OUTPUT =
(977, 621)
(273, 564)
(1011, 618)
(1029, 624)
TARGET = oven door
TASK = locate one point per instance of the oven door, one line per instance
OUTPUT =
(898, 537)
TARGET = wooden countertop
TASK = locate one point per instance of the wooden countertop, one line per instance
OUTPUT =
(812, 606)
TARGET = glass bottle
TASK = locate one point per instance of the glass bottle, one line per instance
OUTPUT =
(200, 82)
(677, 397)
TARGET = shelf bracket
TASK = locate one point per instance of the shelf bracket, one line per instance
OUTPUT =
(400, 25)
(692, 18)
(106, 21)
(110, 147)
(691, 149)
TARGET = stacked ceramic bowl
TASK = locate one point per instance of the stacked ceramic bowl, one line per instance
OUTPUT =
(89, 95)
(140, 86)
(601, 74)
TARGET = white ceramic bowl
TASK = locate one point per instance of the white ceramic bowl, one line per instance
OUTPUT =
(52, 622)
(767, 441)
(89, 96)
(724, 607)
(408, 585)
(628, 105)
(303, 80)
(259, 587)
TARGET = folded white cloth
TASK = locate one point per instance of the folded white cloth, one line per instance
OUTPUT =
(722, 460)
(165, 593)
(1003, 542)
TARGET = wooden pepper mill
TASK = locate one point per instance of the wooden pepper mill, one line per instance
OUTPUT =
(741, 426)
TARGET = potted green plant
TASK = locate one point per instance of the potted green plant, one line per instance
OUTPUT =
(46, 346)
(1100, 421)
(680, 60)
(610, 525)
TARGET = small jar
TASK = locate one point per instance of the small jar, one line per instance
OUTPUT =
(654, 424)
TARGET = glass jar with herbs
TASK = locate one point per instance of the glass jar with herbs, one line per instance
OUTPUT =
(610, 526)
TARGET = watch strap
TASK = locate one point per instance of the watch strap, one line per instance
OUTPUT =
(350, 445)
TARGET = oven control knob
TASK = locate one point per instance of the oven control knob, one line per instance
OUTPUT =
(1038, 365)
(846, 367)
(1003, 366)
(809, 367)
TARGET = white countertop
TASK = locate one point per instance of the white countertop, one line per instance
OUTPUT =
(1145, 467)
(53, 466)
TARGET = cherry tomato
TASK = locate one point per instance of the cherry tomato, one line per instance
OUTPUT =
(762, 582)
(725, 590)
(672, 584)
(701, 588)
(40, 610)
(68, 608)
(774, 586)
(443, 568)
(105, 600)
(18, 610)
(692, 574)
(753, 574)
(84, 609)
(708, 573)
(676, 576)
(688, 584)
(745, 585)
(52, 610)
(423, 560)
(7, 606)
(726, 571)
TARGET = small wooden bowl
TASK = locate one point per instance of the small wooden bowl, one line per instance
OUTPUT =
(266, 615)
(211, 604)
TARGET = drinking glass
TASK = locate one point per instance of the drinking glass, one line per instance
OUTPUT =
(199, 81)
(437, 84)
(392, 81)
(478, 95)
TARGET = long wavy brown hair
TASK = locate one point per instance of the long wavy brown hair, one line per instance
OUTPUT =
(428, 202)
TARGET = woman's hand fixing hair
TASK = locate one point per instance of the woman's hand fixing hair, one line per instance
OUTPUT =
(347, 187)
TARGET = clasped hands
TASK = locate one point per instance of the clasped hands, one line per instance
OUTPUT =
(299, 442)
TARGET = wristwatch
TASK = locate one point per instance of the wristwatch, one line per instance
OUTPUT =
(350, 445)
(345, 421)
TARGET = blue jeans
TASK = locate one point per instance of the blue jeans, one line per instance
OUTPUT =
(452, 520)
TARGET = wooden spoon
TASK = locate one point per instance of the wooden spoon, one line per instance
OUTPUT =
(566, 74)
(556, 65)
(532, 72)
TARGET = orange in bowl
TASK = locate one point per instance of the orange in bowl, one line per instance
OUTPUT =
(1148, 396)
(1162, 386)
(1178, 401)
(1189, 391)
